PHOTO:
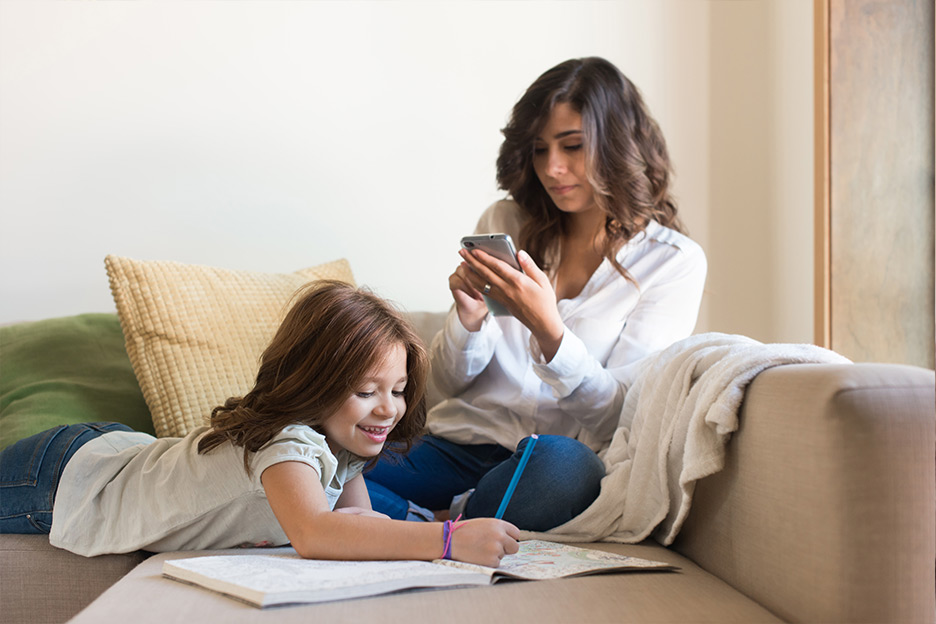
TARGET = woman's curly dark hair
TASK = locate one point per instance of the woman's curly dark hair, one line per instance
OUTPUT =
(625, 156)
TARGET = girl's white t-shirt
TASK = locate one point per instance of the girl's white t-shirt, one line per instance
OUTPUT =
(127, 491)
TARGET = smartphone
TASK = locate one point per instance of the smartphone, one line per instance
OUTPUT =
(501, 247)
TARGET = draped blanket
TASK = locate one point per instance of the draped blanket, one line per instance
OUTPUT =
(677, 417)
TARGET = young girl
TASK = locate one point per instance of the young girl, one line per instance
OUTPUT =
(343, 375)
(608, 278)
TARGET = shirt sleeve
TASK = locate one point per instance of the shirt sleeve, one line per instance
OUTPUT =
(459, 355)
(297, 443)
(355, 467)
(666, 312)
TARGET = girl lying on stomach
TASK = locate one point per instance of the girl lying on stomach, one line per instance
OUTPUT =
(344, 374)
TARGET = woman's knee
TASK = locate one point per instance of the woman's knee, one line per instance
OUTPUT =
(567, 466)
(561, 479)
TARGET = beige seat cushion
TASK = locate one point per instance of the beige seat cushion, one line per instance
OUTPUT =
(688, 595)
(195, 333)
(42, 583)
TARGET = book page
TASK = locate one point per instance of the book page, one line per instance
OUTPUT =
(265, 580)
(540, 560)
(277, 579)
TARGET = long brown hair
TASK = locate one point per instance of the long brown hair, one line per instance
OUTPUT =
(329, 340)
(626, 159)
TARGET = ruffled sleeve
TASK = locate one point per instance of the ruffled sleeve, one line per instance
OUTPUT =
(297, 443)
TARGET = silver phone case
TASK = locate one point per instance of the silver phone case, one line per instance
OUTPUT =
(501, 247)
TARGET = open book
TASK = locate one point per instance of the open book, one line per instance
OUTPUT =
(265, 580)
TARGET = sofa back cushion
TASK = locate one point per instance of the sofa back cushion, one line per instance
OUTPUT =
(194, 334)
(63, 371)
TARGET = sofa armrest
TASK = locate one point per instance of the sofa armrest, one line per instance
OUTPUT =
(826, 508)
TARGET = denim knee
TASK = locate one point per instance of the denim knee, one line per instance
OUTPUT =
(562, 478)
(574, 474)
(581, 463)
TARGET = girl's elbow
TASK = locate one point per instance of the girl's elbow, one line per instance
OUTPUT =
(307, 541)
(308, 547)
(306, 551)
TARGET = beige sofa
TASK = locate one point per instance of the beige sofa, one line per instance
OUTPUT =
(824, 512)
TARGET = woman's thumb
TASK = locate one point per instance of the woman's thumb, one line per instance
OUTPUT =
(529, 267)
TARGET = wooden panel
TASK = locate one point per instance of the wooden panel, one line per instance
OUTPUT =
(821, 163)
(881, 180)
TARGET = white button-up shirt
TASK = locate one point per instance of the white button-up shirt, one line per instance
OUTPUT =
(495, 384)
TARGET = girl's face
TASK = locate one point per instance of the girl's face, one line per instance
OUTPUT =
(363, 422)
(559, 161)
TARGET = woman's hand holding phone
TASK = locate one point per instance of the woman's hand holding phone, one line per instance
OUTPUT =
(469, 304)
(527, 295)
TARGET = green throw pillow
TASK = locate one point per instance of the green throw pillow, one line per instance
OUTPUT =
(63, 371)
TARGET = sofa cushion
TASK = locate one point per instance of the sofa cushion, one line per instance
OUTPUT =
(194, 334)
(42, 583)
(63, 371)
(689, 595)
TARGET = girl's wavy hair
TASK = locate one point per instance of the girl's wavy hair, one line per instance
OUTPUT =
(333, 335)
(626, 160)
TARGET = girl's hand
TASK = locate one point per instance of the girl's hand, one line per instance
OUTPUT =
(528, 295)
(469, 304)
(484, 541)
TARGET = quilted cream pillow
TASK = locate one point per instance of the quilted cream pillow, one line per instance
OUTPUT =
(195, 333)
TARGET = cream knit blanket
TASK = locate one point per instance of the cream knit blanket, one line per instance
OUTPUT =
(675, 422)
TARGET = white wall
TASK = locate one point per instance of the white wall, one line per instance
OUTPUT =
(760, 213)
(277, 135)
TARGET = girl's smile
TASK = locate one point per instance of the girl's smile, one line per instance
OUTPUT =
(377, 434)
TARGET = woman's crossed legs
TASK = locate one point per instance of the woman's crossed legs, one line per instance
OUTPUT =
(562, 478)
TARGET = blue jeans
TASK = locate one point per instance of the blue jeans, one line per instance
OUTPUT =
(562, 478)
(30, 470)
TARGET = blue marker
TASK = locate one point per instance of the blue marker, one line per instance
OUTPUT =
(516, 476)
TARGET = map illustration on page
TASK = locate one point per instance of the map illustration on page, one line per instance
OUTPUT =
(539, 560)
(266, 580)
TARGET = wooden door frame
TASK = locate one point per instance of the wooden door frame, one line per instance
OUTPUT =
(822, 220)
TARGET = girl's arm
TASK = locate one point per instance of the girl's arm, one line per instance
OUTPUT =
(355, 499)
(298, 500)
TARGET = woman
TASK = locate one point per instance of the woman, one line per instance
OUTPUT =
(608, 278)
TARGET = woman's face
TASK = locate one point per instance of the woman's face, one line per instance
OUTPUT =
(559, 161)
